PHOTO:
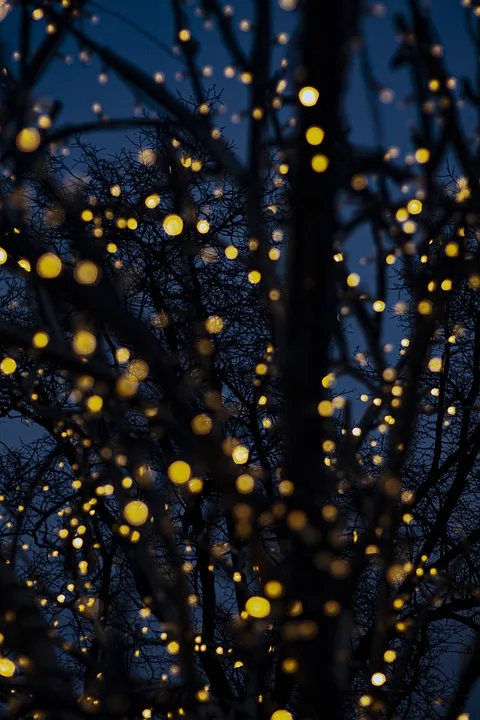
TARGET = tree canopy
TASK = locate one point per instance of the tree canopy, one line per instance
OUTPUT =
(245, 371)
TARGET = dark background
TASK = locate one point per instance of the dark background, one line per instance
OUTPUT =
(76, 86)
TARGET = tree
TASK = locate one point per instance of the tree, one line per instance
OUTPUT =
(203, 518)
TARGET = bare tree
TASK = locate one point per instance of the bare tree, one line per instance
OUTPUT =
(220, 506)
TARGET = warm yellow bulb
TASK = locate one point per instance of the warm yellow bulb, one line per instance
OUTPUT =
(49, 266)
(201, 424)
(240, 455)
(203, 226)
(179, 472)
(84, 342)
(231, 252)
(245, 484)
(320, 163)
(435, 364)
(40, 340)
(173, 225)
(325, 408)
(314, 135)
(86, 272)
(151, 201)
(274, 589)
(214, 324)
(7, 667)
(136, 513)
(87, 215)
(414, 207)
(28, 139)
(8, 366)
(257, 607)
(422, 156)
(378, 679)
(308, 96)
(95, 403)
(281, 715)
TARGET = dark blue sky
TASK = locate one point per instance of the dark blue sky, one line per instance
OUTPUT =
(77, 86)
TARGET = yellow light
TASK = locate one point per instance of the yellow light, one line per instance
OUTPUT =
(173, 648)
(378, 679)
(7, 667)
(379, 306)
(414, 207)
(425, 307)
(231, 252)
(422, 155)
(410, 227)
(281, 715)
(289, 665)
(179, 472)
(389, 656)
(365, 701)
(28, 139)
(214, 324)
(173, 225)
(451, 249)
(184, 35)
(195, 485)
(126, 386)
(435, 364)
(87, 215)
(3, 256)
(201, 424)
(122, 355)
(40, 340)
(257, 607)
(320, 163)
(136, 513)
(8, 366)
(315, 135)
(274, 589)
(115, 190)
(254, 277)
(203, 226)
(95, 403)
(240, 455)
(353, 280)
(151, 201)
(325, 408)
(84, 342)
(86, 272)
(245, 484)
(49, 266)
(138, 370)
(132, 224)
(44, 122)
(308, 96)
